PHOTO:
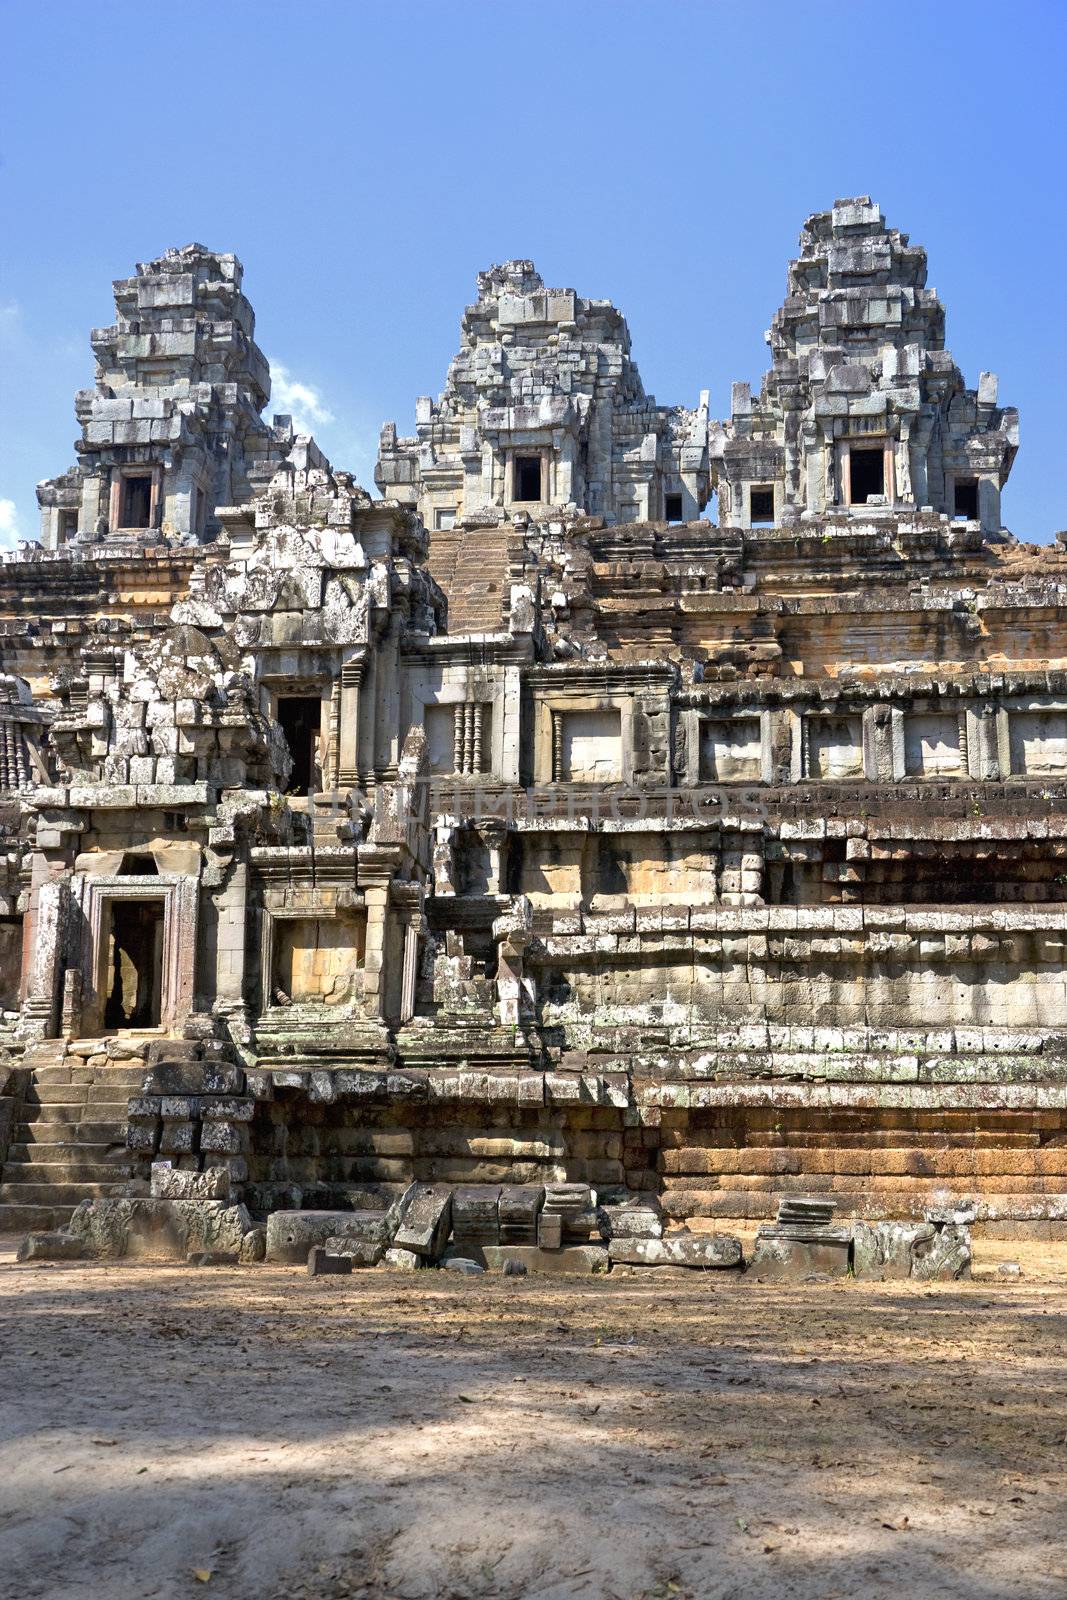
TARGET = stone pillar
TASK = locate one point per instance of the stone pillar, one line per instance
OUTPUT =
(348, 764)
(989, 505)
(232, 910)
(44, 934)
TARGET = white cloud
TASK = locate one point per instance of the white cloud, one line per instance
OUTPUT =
(9, 524)
(298, 400)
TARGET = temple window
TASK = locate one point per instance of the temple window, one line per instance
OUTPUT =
(761, 504)
(730, 750)
(444, 517)
(965, 498)
(301, 722)
(527, 478)
(866, 474)
(458, 738)
(137, 501)
(672, 507)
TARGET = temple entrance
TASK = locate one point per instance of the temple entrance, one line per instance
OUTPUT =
(134, 977)
(301, 721)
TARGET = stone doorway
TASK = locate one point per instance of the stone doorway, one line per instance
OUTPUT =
(134, 975)
(301, 722)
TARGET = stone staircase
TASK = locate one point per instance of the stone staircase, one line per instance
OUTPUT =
(68, 1143)
(473, 567)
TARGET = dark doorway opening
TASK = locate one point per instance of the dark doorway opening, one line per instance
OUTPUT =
(136, 502)
(760, 505)
(966, 498)
(867, 475)
(528, 478)
(672, 507)
(301, 720)
(135, 965)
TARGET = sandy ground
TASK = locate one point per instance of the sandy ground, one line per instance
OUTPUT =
(248, 1432)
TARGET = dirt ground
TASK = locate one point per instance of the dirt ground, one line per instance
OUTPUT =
(252, 1434)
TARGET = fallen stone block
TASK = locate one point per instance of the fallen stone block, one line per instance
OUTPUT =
(464, 1266)
(403, 1260)
(630, 1221)
(291, 1234)
(213, 1258)
(427, 1221)
(792, 1253)
(168, 1183)
(253, 1246)
(550, 1231)
(321, 1264)
(361, 1252)
(572, 1258)
(168, 1229)
(51, 1247)
(693, 1250)
(886, 1251)
(948, 1257)
(514, 1268)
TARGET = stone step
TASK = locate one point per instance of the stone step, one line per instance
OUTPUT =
(59, 1173)
(18, 1218)
(73, 1115)
(53, 1094)
(78, 1072)
(54, 1194)
(70, 1150)
(63, 1133)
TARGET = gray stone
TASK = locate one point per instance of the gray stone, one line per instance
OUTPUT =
(171, 1229)
(800, 1253)
(321, 1263)
(946, 1257)
(168, 1183)
(52, 1247)
(291, 1234)
(213, 1258)
(427, 1221)
(573, 1258)
(635, 1220)
(463, 1265)
(254, 1246)
(702, 1250)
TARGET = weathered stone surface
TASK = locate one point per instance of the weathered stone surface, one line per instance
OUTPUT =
(427, 1221)
(168, 1183)
(324, 1263)
(291, 1234)
(172, 1229)
(520, 833)
(52, 1247)
(800, 1253)
(678, 1250)
(254, 1246)
(577, 1258)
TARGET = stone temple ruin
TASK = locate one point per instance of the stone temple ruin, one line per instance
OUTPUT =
(601, 870)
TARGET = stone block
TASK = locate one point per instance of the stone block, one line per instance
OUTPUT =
(291, 1234)
(576, 1258)
(169, 1229)
(52, 1247)
(797, 1253)
(170, 1184)
(698, 1250)
(321, 1264)
(427, 1221)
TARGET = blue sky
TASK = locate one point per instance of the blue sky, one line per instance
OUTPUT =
(366, 160)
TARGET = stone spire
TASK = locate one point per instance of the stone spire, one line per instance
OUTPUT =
(863, 407)
(544, 408)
